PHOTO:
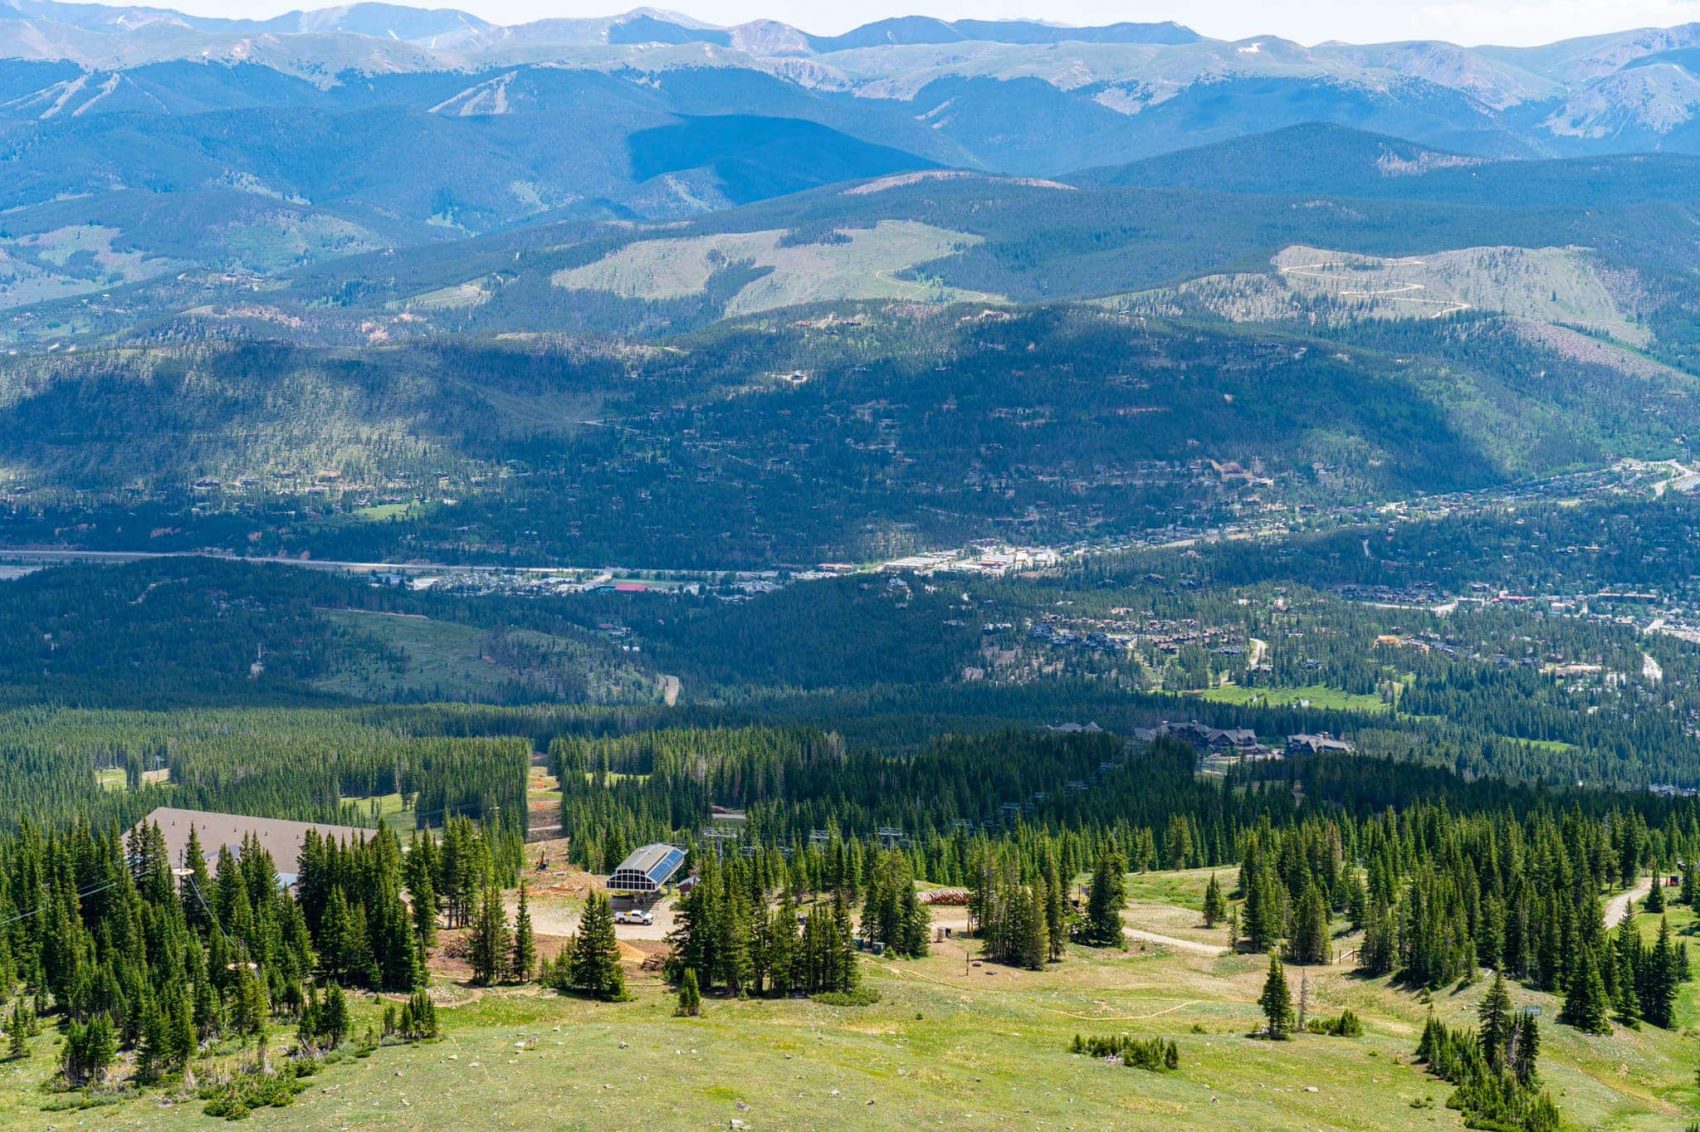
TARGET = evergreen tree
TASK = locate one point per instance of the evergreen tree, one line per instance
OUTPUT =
(1625, 976)
(422, 889)
(596, 952)
(196, 883)
(153, 1057)
(524, 961)
(893, 914)
(1658, 982)
(1489, 1097)
(916, 925)
(18, 1033)
(334, 1021)
(1276, 1002)
(340, 950)
(1177, 842)
(1265, 904)
(208, 1015)
(1356, 901)
(1056, 915)
(1036, 940)
(1586, 1005)
(488, 943)
(1526, 1051)
(842, 970)
(419, 1017)
(90, 1051)
(1310, 939)
(1379, 951)
(1490, 933)
(180, 1038)
(249, 1006)
(691, 942)
(734, 938)
(1213, 906)
(1495, 1023)
(1105, 900)
(782, 947)
(690, 995)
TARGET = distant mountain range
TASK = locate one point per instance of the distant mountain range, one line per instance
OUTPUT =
(1114, 92)
(363, 171)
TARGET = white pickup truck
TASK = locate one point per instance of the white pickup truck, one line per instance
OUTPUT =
(634, 916)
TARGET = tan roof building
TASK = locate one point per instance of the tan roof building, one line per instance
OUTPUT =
(282, 839)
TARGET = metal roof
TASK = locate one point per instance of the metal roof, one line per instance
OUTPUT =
(647, 868)
(282, 839)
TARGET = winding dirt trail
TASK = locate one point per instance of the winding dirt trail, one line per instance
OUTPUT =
(1187, 945)
(1616, 905)
(1398, 291)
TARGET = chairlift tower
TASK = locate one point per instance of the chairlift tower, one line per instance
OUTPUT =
(719, 838)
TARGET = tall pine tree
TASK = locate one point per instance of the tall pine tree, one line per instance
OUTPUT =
(524, 960)
(1276, 1002)
(595, 964)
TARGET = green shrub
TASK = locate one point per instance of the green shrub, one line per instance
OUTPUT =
(1346, 1025)
(1154, 1054)
(237, 1098)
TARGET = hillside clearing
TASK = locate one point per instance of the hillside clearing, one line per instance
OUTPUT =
(860, 264)
(1537, 287)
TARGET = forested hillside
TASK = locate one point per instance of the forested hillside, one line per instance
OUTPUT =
(200, 632)
(856, 435)
(995, 237)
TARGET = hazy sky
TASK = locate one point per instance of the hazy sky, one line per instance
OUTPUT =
(1309, 21)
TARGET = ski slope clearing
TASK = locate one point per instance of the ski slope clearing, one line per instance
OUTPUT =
(1554, 287)
(1561, 286)
(857, 264)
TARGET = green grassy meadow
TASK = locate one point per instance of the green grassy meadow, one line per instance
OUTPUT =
(1315, 695)
(949, 1045)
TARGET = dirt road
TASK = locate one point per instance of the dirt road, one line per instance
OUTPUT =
(1190, 946)
(1616, 905)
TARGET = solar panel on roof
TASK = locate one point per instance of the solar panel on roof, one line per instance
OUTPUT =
(667, 865)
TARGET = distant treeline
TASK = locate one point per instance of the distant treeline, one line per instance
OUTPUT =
(311, 765)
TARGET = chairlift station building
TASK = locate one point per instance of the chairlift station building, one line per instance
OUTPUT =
(646, 871)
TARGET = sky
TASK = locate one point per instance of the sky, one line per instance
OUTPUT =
(1468, 22)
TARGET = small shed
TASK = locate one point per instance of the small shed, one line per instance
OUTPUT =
(646, 870)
